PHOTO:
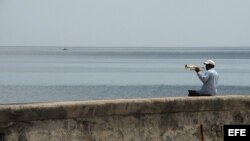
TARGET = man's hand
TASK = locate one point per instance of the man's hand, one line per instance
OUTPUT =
(197, 69)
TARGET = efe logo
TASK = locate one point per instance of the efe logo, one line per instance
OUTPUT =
(237, 132)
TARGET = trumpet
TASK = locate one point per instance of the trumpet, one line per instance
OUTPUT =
(192, 67)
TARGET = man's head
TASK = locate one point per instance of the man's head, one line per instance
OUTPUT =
(209, 64)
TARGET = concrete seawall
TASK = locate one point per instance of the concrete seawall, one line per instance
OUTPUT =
(159, 119)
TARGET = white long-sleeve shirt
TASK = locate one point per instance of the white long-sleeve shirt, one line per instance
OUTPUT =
(209, 79)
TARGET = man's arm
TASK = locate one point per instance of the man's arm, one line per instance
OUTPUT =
(203, 76)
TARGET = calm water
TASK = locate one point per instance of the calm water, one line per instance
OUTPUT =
(41, 74)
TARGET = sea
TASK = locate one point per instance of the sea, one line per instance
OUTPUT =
(30, 74)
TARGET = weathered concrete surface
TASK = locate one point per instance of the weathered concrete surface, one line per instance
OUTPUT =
(161, 119)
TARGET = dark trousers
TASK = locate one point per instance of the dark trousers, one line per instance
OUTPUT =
(195, 93)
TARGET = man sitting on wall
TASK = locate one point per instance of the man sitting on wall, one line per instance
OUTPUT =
(209, 79)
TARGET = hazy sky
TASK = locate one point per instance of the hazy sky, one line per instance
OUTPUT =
(125, 22)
